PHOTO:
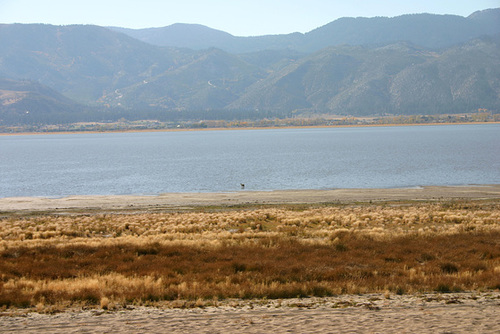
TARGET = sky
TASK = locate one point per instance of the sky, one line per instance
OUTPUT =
(237, 17)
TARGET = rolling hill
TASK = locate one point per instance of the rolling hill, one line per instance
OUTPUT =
(26, 102)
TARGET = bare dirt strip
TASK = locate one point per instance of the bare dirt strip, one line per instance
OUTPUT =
(431, 313)
(242, 198)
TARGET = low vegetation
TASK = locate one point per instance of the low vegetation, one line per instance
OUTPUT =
(111, 260)
(255, 120)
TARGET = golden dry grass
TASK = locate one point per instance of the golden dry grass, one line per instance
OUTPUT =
(274, 252)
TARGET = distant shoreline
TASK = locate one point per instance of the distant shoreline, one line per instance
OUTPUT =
(239, 128)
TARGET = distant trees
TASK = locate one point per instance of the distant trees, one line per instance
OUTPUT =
(113, 123)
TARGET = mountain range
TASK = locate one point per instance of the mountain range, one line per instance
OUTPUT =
(426, 30)
(411, 64)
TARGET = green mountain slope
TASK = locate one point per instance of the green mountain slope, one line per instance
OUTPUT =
(82, 62)
(397, 79)
(211, 80)
(26, 102)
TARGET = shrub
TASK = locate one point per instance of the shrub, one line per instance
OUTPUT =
(449, 268)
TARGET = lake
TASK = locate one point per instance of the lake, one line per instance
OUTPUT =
(150, 163)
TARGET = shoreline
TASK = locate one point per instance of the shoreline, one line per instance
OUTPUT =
(239, 128)
(189, 201)
(455, 312)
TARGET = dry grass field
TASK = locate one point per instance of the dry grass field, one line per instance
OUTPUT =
(50, 262)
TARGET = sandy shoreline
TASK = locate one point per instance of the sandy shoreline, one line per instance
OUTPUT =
(193, 200)
(429, 313)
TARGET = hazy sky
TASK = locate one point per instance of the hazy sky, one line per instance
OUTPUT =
(238, 17)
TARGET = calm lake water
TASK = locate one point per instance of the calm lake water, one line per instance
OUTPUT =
(217, 161)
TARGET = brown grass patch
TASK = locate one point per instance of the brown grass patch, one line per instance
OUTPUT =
(280, 252)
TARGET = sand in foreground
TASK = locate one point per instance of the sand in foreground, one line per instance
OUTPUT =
(433, 313)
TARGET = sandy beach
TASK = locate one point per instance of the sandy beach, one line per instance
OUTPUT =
(193, 200)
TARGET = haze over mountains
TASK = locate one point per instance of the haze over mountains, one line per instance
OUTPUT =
(426, 30)
(411, 64)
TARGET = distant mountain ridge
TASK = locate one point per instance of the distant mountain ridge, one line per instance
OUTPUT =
(427, 30)
(85, 72)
